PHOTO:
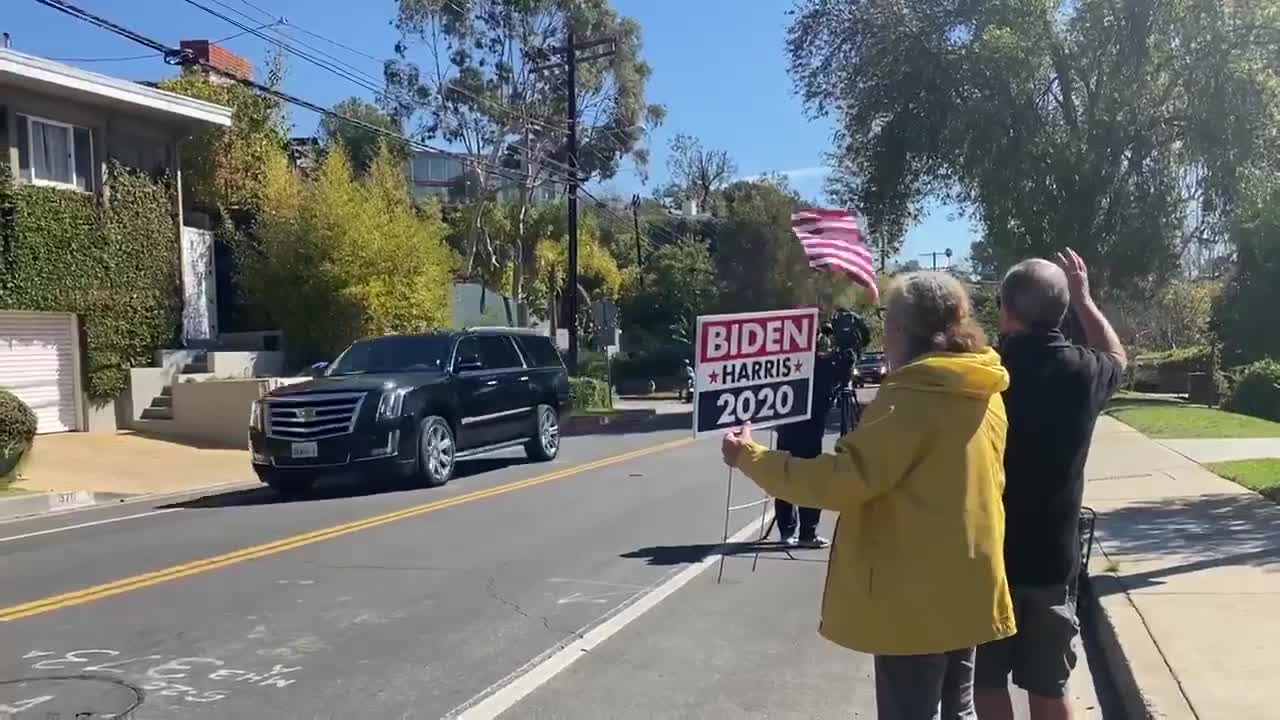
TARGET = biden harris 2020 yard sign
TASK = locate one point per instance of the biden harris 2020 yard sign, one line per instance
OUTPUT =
(754, 368)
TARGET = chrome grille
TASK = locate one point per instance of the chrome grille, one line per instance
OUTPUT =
(313, 416)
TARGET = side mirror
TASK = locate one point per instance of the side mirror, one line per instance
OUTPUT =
(467, 363)
(317, 369)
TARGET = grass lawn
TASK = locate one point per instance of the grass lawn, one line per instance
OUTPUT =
(1261, 476)
(1174, 420)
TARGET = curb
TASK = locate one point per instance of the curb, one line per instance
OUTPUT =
(41, 503)
(1139, 675)
(621, 421)
(44, 505)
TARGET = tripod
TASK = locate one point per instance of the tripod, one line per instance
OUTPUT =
(846, 399)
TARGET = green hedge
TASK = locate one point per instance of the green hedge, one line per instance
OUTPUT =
(593, 365)
(1256, 390)
(589, 393)
(114, 265)
(17, 430)
(1192, 357)
(655, 364)
(1167, 371)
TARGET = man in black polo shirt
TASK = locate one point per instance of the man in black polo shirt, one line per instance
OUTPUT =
(1057, 390)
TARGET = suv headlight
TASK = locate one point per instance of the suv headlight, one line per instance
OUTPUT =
(255, 416)
(391, 403)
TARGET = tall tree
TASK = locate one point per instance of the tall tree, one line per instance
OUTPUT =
(336, 257)
(1244, 313)
(696, 173)
(761, 264)
(1118, 128)
(469, 73)
(360, 143)
(663, 301)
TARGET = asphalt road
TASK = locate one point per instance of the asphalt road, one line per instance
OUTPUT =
(419, 601)
(472, 600)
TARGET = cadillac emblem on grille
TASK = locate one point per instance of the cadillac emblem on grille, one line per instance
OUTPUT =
(312, 416)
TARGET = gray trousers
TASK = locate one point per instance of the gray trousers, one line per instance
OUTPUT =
(916, 687)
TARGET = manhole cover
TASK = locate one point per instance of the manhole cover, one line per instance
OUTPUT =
(67, 698)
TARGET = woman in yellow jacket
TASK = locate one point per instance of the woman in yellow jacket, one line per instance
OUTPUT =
(916, 575)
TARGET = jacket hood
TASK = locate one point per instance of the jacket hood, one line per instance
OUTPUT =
(977, 375)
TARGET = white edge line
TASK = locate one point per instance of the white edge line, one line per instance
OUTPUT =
(508, 694)
(50, 531)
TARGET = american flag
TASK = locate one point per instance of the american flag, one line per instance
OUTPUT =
(833, 240)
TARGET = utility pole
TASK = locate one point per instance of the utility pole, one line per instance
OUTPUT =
(635, 219)
(570, 61)
(571, 107)
(934, 255)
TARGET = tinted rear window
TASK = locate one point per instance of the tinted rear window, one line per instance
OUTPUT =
(540, 351)
(497, 353)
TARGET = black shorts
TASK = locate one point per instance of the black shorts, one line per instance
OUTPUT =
(1043, 653)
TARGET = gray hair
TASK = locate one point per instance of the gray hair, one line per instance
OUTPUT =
(934, 314)
(1035, 293)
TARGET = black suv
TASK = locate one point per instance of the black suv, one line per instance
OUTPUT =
(413, 405)
(871, 368)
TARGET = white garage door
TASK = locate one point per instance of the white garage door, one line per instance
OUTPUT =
(38, 364)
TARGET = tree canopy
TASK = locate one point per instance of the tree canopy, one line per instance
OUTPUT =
(482, 76)
(226, 168)
(1119, 129)
(696, 172)
(336, 257)
(361, 143)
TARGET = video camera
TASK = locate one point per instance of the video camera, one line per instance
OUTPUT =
(848, 331)
(844, 338)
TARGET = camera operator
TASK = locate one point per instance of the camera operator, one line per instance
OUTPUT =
(804, 440)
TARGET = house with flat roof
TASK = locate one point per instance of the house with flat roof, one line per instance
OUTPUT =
(61, 127)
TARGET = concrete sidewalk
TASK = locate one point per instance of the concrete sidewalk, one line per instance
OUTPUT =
(128, 464)
(745, 648)
(1187, 578)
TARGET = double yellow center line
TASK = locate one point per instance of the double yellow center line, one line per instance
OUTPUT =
(137, 582)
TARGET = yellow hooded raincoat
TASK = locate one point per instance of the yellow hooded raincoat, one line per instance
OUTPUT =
(917, 564)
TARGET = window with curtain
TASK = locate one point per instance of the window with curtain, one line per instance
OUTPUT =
(55, 153)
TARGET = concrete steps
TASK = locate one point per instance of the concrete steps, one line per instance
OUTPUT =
(161, 407)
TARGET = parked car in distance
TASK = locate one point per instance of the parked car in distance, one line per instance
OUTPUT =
(413, 405)
(871, 368)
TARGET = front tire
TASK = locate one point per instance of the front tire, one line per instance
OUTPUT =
(436, 450)
(544, 446)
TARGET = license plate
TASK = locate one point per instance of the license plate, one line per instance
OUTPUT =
(304, 450)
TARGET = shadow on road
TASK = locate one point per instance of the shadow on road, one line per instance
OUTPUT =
(672, 555)
(338, 487)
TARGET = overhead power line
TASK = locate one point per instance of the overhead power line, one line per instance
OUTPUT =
(286, 46)
(177, 56)
(148, 56)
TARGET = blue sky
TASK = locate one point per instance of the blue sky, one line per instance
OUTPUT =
(718, 65)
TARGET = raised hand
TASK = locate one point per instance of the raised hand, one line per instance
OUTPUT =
(1077, 275)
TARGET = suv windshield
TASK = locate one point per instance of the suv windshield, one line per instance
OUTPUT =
(401, 353)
